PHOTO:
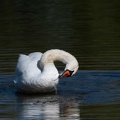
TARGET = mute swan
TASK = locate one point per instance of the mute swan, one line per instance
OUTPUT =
(36, 72)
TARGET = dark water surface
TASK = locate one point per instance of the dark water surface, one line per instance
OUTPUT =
(88, 95)
(90, 30)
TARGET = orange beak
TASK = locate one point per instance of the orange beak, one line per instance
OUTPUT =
(66, 73)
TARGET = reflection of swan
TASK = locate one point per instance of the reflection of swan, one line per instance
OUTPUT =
(37, 107)
(37, 72)
(46, 107)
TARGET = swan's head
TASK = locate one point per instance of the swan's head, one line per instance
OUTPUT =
(70, 69)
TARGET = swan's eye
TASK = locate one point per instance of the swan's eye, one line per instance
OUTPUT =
(66, 73)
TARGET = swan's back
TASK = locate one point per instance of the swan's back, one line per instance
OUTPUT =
(27, 67)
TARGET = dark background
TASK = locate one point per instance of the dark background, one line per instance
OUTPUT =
(88, 29)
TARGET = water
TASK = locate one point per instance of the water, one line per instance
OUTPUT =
(88, 95)
(87, 29)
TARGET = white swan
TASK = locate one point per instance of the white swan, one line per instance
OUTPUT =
(36, 72)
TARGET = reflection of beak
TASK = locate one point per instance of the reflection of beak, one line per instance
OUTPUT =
(66, 73)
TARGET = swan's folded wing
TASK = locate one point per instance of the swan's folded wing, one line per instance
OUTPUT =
(22, 63)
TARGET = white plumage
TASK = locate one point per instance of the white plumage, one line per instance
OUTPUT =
(36, 72)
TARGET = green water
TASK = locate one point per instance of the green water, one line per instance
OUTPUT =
(87, 29)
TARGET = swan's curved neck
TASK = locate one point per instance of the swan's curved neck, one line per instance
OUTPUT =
(56, 55)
